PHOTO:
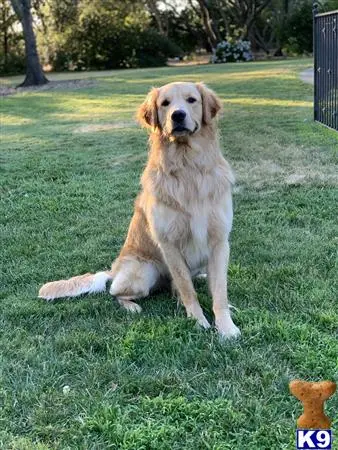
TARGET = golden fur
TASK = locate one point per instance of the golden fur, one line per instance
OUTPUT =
(183, 214)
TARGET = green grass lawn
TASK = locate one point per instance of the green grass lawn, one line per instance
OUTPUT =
(70, 167)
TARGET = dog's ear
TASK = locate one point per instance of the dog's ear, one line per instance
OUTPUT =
(211, 103)
(147, 113)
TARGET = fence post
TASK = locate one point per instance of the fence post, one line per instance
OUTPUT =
(315, 54)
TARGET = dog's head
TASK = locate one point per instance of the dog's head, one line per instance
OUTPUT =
(179, 109)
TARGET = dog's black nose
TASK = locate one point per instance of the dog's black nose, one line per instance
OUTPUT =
(178, 116)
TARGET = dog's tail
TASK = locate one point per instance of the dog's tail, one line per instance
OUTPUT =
(83, 284)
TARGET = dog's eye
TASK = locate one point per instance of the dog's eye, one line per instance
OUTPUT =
(191, 100)
(165, 102)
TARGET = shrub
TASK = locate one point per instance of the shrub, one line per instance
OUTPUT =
(15, 63)
(150, 49)
(227, 51)
(126, 48)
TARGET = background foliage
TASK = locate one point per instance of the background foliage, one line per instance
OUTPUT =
(106, 34)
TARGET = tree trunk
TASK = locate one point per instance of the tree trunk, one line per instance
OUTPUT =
(252, 15)
(5, 25)
(34, 72)
(207, 23)
(154, 10)
(279, 52)
(259, 42)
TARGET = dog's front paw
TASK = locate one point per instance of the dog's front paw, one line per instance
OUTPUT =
(226, 328)
(195, 311)
(202, 321)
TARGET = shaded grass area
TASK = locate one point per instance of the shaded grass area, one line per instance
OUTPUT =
(156, 381)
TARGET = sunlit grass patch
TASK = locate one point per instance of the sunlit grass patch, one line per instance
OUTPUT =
(93, 128)
(258, 101)
(14, 120)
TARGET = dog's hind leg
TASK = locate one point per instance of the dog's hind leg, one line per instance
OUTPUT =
(133, 279)
(201, 272)
(130, 306)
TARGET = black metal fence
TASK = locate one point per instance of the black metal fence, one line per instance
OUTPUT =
(325, 41)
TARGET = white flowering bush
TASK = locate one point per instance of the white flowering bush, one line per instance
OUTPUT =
(227, 51)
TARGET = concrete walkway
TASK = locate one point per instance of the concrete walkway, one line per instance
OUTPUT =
(307, 76)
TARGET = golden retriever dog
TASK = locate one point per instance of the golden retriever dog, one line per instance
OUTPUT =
(182, 216)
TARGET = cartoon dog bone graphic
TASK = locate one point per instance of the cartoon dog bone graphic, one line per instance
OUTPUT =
(313, 396)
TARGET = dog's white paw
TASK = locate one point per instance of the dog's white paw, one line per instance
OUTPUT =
(130, 306)
(203, 322)
(230, 333)
(202, 276)
(226, 328)
(195, 312)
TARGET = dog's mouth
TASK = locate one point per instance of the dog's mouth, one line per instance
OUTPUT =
(181, 130)
(178, 130)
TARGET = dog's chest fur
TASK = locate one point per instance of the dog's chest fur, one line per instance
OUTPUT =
(193, 204)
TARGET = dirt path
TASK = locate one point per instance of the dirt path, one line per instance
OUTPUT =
(307, 76)
(52, 85)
